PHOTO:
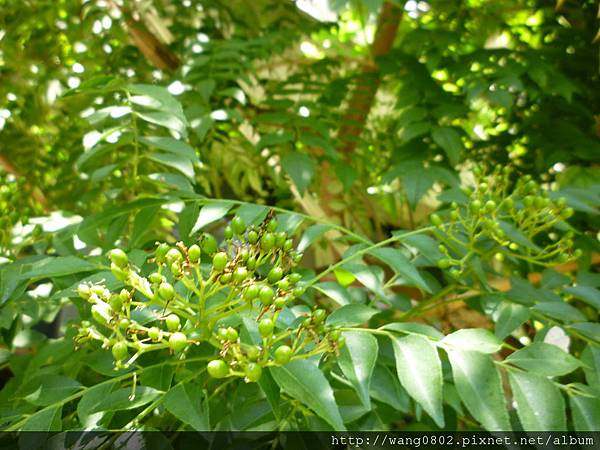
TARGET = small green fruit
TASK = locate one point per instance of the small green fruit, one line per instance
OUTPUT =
(119, 257)
(173, 255)
(252, 237)
(319, 315)
(238, 225)
(166, 291)
(435, 220)
(253, 353)
(275, 275)
(280, 239)
(266, 295)
(209, 244)
(84, 291)
(228, 233)
(240, 274)
(253, 372)
(265, 327)
(154, 333)
(194, 253)
(280, 302)
(155, 278)
(251, 263)
(267, 241)
(444, 263)
(272, 226)
(231, 334)
(161, 252)
(118, 272)
(217, 368)
(177, 341)
(283, 355)
(294, 277)
(219, 261)
(251, 292)
(173, 322)
(119, 351)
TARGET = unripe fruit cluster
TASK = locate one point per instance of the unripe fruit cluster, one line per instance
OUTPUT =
(194, 289)
(502, 225)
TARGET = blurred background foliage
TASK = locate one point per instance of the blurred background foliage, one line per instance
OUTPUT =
(356, 111)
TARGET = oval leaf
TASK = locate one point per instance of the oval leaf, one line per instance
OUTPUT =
(357, 361)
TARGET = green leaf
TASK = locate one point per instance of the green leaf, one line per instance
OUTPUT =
(252, 214)
(51, 389)
(413, 328)
(47, 419)
(586, 413)
(591, 358)
(588, 294)
(588, 329)
(560, 310)
(540, 405)
(335, 291)
(58, 266)
(544, 359)
(171, 145)
(311, 234)
(158, 377)
(209, 214)
(271, 390)
(510, 316)
(177, 162)
(142, 225)
(185, 401)
(351, 315)
(369, 276)
(473, 339)
(89, 403)
(300, 168)
(157, 97)
(480, 388)
(357, 361)
(386, 388)
(400, 265)
(420, 372)
(121, 399)
(303, 380)
(449, 140)
(164, 119)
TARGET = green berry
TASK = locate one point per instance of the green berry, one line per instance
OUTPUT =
(454, 215)
(455, 273)
(209, 244)
(267, 241)
(283, 355)
(194, 253)
(265, 327)
(222, 334)
(177, 341)
(334, 335)
(231, 334)
(251, 263)
(435, 220)
(513, 246)
(299, 291)
(155, 278)
(240, 274)
(444, 263)
(319, 315)
(490, 205)
(219, 261)
(118, 272)
(226, 278)
(154, 333)
(176, 269)
(119, 351)
(161, 252)
(252, 237)
(266, 295)
(280, 302)
(288, 245)
(172, 322)
(528, 200)
(561, 202)
(238, 225)
(119, 257)
(284, 284)
(115, 302)
(253, 353)
(124, 324)
(84, 291)
(499, 256)
(294, 277)
(243, 255)
(568, 212)
(280, 239)
(228, 233)
(272, 226)
(275, 275)
(217, 368)
(253, 372)
(510, 204)
(475, 206)
(166, 291)
(297, 257)
(173, 255)
(251, 292)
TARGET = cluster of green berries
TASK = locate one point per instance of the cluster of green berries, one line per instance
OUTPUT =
(195, 289)
(496, 222)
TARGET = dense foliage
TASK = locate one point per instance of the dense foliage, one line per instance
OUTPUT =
(240, 216)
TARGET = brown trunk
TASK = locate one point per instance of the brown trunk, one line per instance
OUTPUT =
(361, 98)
